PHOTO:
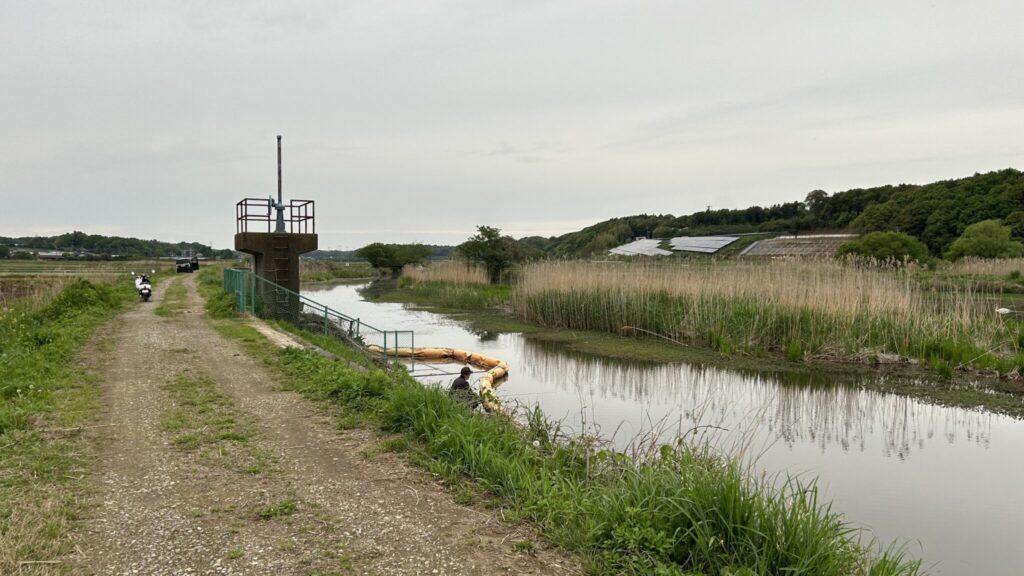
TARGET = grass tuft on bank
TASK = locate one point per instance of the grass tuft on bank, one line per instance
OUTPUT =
(44, 401)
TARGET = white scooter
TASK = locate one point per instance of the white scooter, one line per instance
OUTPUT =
(143, 285)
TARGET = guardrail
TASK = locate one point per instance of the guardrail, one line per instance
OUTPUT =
(266, 299)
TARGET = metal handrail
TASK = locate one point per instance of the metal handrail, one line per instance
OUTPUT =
(300, 217)
(246, 285)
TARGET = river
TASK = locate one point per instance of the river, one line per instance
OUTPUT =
(947, 482)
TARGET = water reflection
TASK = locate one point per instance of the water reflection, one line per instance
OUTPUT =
(790, 409)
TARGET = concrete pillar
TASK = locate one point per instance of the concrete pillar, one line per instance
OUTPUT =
(276, 258)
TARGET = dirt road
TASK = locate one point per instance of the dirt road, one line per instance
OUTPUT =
(315, 504)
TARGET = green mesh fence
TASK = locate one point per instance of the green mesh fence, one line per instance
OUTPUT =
(271, 301)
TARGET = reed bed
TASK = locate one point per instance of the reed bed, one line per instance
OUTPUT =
(797, 306)
(989, 266)
(29, 293)
(320, 270)
(448, 271)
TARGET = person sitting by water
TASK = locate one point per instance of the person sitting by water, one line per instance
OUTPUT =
(461, 389)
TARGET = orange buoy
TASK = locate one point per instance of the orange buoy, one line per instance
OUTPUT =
(496, 369)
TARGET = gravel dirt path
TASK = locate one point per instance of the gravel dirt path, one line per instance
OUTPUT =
(158, 509)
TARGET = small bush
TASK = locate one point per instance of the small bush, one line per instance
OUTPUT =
(886, 247)
(985, 239)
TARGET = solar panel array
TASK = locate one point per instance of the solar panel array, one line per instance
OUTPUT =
(646, 247)
(702, 244)
(815, 246)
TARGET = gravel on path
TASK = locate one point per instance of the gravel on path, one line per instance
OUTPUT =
(159, 510)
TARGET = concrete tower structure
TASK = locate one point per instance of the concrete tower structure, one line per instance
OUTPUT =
(289, 233)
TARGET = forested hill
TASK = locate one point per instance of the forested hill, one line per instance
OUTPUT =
(935, 213)
(94, 246)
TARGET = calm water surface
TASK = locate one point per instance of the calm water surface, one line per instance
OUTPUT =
(948, 481)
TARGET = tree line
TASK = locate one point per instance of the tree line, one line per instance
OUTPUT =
(981, 215)
(79, 245)
(937, 214)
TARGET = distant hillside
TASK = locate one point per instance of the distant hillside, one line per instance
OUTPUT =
(935, 213)
(94, 246)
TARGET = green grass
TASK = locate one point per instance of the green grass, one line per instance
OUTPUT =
(686, 511)
(219, 304)
(173, 302)
(44, 400)
(279, 509)
(204, 421)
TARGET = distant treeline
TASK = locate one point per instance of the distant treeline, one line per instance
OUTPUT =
(80, 245)
(436, 253)
(936, 213)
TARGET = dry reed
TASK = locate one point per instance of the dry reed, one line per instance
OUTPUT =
(448, 271)
(817, 306)
(993, 266)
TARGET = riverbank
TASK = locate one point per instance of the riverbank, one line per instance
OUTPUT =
(682, 509)
(488, 309)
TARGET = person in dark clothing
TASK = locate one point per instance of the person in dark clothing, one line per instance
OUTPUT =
(462, 390)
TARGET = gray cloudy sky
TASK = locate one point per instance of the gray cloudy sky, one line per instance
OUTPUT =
(416, 121)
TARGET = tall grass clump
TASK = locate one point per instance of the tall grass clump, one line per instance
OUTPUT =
(822, 308)
(30, 292)
(683, 510)
(219, 304)
(448, 271)
(453, 285)
(42, 397)
(323, 270)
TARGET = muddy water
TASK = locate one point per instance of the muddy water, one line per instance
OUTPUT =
(949, 482)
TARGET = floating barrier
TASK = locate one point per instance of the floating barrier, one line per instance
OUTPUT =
(496, 369)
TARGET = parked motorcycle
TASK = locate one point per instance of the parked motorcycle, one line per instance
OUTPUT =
(143, 285)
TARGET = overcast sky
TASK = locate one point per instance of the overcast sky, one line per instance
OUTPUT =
(417, 121)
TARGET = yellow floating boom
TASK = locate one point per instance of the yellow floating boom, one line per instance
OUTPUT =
(496, 369)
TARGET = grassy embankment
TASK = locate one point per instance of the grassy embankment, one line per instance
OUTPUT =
(683, 511)
(44, 402)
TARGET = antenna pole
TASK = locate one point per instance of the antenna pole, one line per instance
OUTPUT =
(280, 200)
